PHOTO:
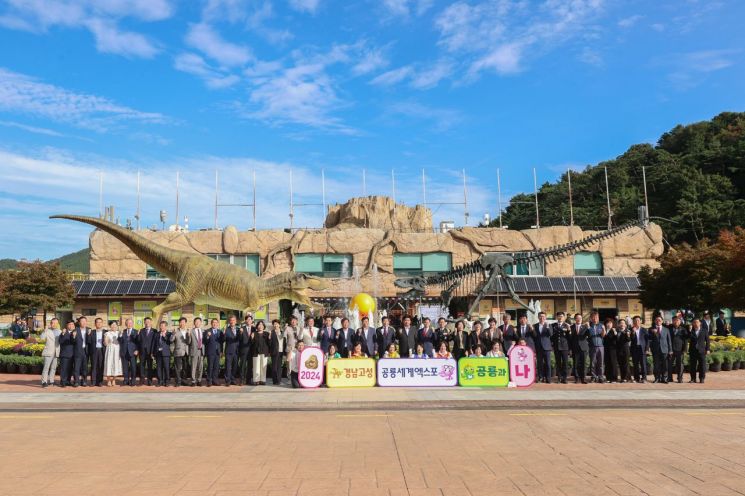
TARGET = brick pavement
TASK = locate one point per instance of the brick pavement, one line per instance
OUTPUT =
(506, 452)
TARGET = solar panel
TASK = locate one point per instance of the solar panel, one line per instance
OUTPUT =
(98, 288)
(532, 285)
(633, 283)
(606, 283)
(544, 284)
(136, 287)
(161, 286)
(86, 287)
(148, 287)
(76, 286)
(583, 284)
(123, 288)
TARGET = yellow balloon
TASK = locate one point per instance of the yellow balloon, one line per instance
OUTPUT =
(364, 303)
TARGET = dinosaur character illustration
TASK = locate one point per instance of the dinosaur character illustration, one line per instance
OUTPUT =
(202, 280)
(490, 267)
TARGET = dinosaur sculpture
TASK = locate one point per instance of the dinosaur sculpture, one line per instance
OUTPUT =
(202, 280)
(491, 267)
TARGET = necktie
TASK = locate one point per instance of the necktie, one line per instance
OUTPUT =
(199, 339)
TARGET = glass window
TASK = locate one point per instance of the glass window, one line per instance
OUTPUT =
(248, 261)
(324, 264)
(151, 273)
(415, 264)
(436, 262)
(588, 263)
(534, 268)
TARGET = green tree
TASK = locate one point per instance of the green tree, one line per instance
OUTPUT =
(34, 285)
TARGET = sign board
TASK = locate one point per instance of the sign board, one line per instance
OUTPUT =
(261, 313)
(522, 366)
(201, 311)
(573, 307)
(350, 372)
(115, 311)
(434, 312)
(394, 372)
(604, 302)
(310, 374)
(483, 371)
(548, 307)
(635, 307)
(485, 308)
(144, 306)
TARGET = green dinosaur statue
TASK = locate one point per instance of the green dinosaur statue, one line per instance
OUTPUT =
(202, 280)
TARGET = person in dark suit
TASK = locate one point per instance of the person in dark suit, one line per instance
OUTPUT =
(662, 350)
(475, 338)
(66, 353)
(697, 351)
(580, 347)
(706, 323)
(230, 338)
(145, 350)
(526, 332)
(610, 347)
(96, 349)
(492, 334)
(543, 335)
(623, 350)
(384, 335)
(345, 338)
(721, 325)
(426, 337)
(406, 338)
(162, 349)
(128, 352)
(597, 349)
(509, 335)
(245, 360)
(679, 336)
(561, 340)
(639, 349)
(277, 345)
(212, 350)
(365, 335)
(80, 355)
(459, 337)
(327, 334)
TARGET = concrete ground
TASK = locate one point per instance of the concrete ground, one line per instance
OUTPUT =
(547, 440)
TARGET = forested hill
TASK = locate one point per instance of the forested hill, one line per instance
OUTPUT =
(695, 177)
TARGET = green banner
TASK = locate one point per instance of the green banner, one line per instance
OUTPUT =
(483, 372)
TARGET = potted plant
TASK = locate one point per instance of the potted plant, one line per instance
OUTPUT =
(715, 361)
(11, 365)
(726, 361)
(736, 360)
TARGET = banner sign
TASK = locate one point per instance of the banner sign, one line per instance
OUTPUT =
(115, 311)
(310, 374)
(350, 372)
(483, 371)
(522, 366)
(393, 372)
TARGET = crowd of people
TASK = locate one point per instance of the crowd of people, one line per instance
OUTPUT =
(247, 353)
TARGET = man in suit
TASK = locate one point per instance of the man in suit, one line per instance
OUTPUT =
(245, 360)
(309, 333)
(580, 347)
(492, 334)
(426, 337)
(145, 345)
(706, 323)
(524, 331)
(384, 335)
(679, 336)
(277, 351)
(509, 336)
(66, 353)
(96, 351)
(162, 349)
(366, 337)
(292, 333)
(181, 342)
(543, 334)
(344, 339)
(639, 349)
(721, 325)
(128, 352)
(597, 348)
(697, 351)
(196, 352)
(406, 338)
(80, 355)
(230, 338)
(561, 337)
(327, 334)
(212, 349)
(662, 350)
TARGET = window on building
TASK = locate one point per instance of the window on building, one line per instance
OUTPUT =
(151, 273)
(588, 263)
(416, 264)
(534, 268)
(89, 312)
(249, 261)
(324, 264)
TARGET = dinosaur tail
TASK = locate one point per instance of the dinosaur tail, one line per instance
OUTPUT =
(163, 259)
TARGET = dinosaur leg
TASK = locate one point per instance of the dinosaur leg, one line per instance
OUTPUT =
(172, 302)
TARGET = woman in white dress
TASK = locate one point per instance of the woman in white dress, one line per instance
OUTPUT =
(112, 360)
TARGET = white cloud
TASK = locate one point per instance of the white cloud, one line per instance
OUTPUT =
(205, 39)
(393, 76)
(690, 69)
(23, 94)
(590, 56)
(441, 119)
(370, 61)
(404, 8)
(196, 65)
(99, 17)
(32, 129)
(630, 21)
(310, 6)
(431, 76)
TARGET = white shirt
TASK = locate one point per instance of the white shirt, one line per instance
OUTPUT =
(99, 338)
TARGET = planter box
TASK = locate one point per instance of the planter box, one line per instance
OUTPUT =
(12, 368)
(726, 366)
(23, 369)
(715, 367)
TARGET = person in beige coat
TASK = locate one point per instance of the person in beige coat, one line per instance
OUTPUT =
(181, 342)
(196, 352)
(50, 352)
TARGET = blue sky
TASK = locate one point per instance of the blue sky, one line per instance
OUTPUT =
(307, 85)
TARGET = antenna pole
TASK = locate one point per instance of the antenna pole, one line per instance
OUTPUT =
(217, 195)
(292, 213)
(644, 179)
(137, 216)
(465, 198)
(323, 191)
(499, 198)
(100, 195)
(424, 188)
(177, 178)
(535, 188)
(253, 206)
(607, 197)
(571, 209)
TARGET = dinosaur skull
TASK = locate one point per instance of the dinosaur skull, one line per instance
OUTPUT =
(305, 281)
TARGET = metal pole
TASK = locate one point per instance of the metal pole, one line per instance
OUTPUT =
(571, 209)
(254, 201)
(607, 197)
(424, 188)
(137, 216)
(177, 178)
(217, 195)
(465, 198)
(535, 188)
(323, 190)
(499, 201)
(292, 213)
(644, 179)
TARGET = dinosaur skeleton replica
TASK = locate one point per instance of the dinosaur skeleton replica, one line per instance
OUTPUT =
(483, 275)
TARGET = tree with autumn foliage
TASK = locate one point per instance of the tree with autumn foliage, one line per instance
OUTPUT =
(34, 285)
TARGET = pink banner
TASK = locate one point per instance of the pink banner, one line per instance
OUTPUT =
(310, 374)
(522, 366)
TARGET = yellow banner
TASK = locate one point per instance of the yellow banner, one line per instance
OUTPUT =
(483, 371)
(115, 311)
(604, 302)
(201, 311)
(350, 372)
(144, 306)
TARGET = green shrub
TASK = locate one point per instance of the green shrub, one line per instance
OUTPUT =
(29, 361)
(727, 357)
(716, 357)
